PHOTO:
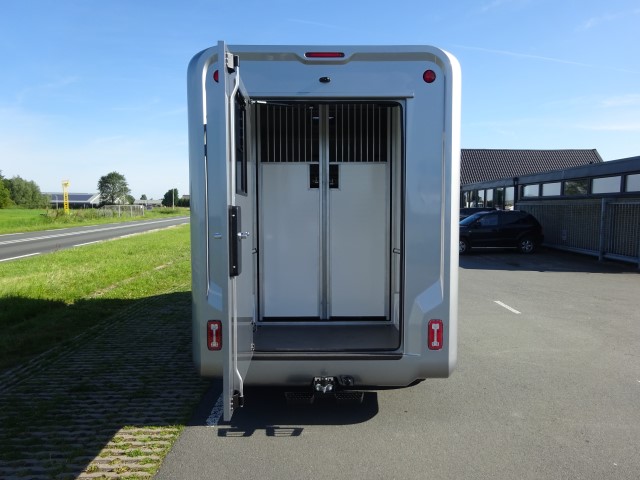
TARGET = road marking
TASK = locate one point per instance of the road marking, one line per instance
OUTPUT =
(216, 413)
(21, 256)
(104, 229)
(504, 305)
(88, 243)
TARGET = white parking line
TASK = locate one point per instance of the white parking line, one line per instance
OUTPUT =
(21, 256)
(504, 305)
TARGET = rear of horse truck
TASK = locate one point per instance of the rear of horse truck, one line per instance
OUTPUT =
(324, 215)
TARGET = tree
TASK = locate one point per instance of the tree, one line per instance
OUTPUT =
(169, 200)
(130, 199)
(25, 193)
(113, 188)
(143, 197)
(5, 194)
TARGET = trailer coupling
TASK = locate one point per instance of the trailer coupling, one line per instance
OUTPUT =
(330, 389)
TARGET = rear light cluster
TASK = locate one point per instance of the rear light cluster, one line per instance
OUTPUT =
(324, 54)
(214, 335)
(435, 334)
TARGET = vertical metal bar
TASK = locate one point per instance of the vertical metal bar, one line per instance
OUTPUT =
(601, 249)
(324, 253)
(360, 125)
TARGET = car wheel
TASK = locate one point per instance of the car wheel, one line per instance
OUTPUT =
(526, 245)
(464, 246)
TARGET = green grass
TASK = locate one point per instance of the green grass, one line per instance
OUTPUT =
(52, 298)
(13, 220)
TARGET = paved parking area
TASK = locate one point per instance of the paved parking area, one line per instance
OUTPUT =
(106, 405)
(548, 388)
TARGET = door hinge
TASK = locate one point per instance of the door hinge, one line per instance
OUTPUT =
(231, 61)
(253, 347)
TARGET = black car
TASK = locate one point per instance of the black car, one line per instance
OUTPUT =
(500, 228)
(468, 211)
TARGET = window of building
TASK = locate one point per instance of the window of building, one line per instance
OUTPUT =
(531, 190)
(633, 183)
(499, 198)
(576, 187)
(605, 185)
(551, 189)
(489, 199)
(509, 198)
(480, 199)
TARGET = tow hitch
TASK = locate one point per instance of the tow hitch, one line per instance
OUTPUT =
(324, 384)
(327, 389)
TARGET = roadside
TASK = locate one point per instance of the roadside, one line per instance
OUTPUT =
(20, 220)
(108, 405)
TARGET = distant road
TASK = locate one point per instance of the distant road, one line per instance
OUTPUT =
(14, 246)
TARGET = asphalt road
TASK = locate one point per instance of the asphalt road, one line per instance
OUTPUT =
(547, 387)
(20, 245)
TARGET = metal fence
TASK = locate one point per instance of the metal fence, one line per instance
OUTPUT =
(607, 227)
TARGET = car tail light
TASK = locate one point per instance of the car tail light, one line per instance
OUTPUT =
(434, 335)
(214, 335)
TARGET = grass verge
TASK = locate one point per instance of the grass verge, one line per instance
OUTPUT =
(13, 220)
(114, 390)
(53, 298)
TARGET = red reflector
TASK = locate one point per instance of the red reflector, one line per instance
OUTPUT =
(429, 76)
(324, 55)
(435, 334)
(216, 76)
(214, 334)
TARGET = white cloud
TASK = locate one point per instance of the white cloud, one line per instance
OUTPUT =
(633, 126)
(605, 18)
(46, 88)
(630, 100)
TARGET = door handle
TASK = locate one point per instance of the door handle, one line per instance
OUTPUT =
(243, 235)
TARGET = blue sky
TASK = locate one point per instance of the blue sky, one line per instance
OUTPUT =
(88, 87)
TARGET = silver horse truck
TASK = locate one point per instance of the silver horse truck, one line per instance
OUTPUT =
(324, 216)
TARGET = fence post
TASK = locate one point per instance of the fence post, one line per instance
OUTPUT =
(601, 249)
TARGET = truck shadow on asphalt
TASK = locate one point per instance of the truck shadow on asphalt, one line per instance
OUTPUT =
(267, 410)
(544, 260)
(110, 401)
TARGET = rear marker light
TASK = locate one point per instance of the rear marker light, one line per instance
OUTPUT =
(429, 76)
(324, 55)
(435, 334)
(216, 76)
(214, 335)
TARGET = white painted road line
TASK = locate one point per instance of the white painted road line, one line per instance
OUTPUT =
(66, 234)
(504, 305)
(88, 243)
(21, 256)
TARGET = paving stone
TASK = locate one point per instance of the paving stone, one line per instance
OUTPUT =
(106, 404)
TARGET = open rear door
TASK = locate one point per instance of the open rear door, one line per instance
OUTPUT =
(231, 204)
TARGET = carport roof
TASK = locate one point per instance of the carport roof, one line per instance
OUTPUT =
(482, 165)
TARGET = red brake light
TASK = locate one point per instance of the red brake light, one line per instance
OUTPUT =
(216, 76)
(429, 76)
(435, 334)
(324, 55)
(214, 335)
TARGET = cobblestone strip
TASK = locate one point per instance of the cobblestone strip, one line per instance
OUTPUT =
(109, 404)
